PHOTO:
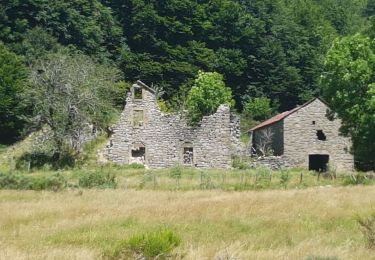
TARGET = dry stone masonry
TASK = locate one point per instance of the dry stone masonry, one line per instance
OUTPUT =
(305, 137)
(146, 135)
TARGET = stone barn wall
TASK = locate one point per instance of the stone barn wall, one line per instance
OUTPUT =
(167, 139)
(301, 139)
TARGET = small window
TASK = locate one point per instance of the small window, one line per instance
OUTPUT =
(188, 156)
(138, 153)
(321, 136)
(138, 118)
(313, 122)
(137, 93)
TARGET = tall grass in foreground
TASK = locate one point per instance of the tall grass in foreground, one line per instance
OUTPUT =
(314, 223)
(183, 179)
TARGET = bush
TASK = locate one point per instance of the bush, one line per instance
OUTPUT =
(53, 182)
(359, 178)
(240, 163)
(97, 179)
(152, 245)
(284, 178)
(37, 160)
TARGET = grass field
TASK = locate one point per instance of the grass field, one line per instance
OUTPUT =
(314, 223)
(184, 212)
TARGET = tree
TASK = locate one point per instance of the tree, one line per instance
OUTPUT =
(207, 94)
(87, 25)
(348, 85)
(69, 93)
(257, 108)
(13, 79)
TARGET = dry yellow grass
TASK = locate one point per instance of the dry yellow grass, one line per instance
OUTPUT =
(291, 224)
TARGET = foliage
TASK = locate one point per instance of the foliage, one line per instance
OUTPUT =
(40, 159)
(87, 25)
(154, 244)
(207, 94)
(239, 162)
(257, 108)
(349, 86)
(368, 229)
(13, 75)
(284, 177)
(97, 179)
(69, 94)
(53, 182)
(356, 179)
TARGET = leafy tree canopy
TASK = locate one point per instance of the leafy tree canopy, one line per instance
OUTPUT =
(13, 79)
(349, 86)
(207, 94)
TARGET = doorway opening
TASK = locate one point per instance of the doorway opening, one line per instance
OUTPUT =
(318, 162)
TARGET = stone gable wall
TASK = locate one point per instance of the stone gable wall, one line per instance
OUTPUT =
(300, 137)
(164, 136)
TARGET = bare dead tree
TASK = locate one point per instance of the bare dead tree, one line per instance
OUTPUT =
(265, 140)
(70, 95)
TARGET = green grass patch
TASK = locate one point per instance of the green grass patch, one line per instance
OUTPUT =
(156, 244)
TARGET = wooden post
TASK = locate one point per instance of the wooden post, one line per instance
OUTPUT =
(300, 180)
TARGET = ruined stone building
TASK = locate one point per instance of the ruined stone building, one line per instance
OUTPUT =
(146, 135)
(304, 137)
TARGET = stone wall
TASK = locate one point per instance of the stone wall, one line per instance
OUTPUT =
(301, 140)
(271, 162)
(166, 138)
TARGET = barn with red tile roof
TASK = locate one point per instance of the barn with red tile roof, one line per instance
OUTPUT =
(305, 137)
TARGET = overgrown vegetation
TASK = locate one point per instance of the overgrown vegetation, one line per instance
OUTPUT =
(271, 55)
(97, 179)
(54, 182)
(151, 245)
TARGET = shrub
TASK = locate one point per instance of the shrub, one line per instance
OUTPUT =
(239, 163)
(176, 173)
(368, 229)
(359, 178)
(37, 160)
(53, 182)
(97, 179)
(151, 245)
(284, 177)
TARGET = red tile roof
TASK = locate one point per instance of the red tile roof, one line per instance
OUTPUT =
(281, 116)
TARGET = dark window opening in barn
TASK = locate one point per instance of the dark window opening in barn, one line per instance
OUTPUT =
(321, 136)
(137, 93)
(318, 162)
(313, 122)
(138, 154)
(188, 156)
(138, 118)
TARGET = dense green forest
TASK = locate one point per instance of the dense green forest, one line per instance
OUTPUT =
(282, 52)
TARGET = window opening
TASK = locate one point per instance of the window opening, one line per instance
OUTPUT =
(138, 154)
(138, 118)
(188, 155)
(137, 93)
(321, 136)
